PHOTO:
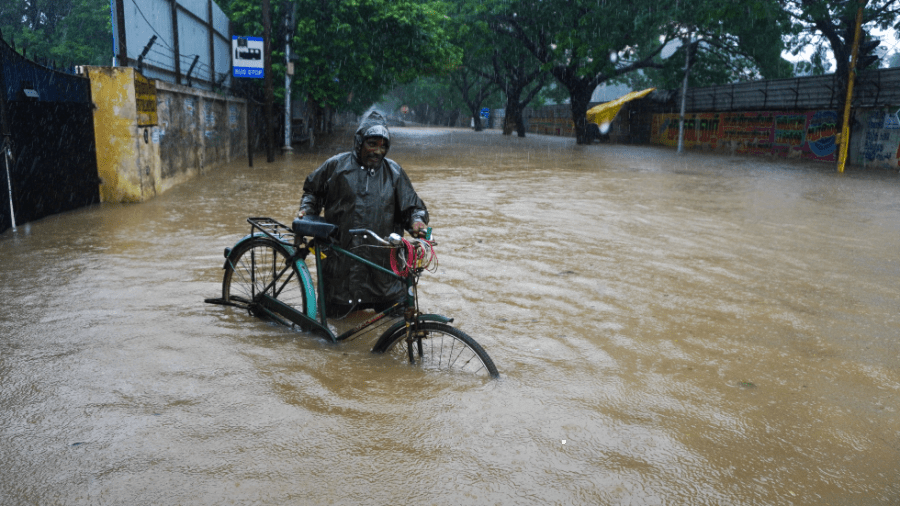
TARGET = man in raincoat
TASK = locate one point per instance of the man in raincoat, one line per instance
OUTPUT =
(363, 189)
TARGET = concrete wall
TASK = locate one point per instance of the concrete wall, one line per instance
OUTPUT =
(198, 130)
(128, 166)
(153, 137)
(551, 120)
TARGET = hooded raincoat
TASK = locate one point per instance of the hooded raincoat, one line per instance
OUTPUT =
(380, 199)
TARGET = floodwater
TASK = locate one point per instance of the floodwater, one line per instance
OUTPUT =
(696, 329)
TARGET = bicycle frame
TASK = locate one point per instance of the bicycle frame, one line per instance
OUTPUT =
(280, 250)
(274, 307)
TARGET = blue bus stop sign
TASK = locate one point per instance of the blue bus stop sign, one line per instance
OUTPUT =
(247, 54)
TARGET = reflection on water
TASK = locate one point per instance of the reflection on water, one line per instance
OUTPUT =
(697, 329)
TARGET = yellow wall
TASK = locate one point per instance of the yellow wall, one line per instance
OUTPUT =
(127, 165)
(150, 141)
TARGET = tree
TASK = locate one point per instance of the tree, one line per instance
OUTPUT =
(513, 71)
(584, 43)
(830, 24)
(817, 65)
(494, 59)
(468, 79)
(432, 100)
(729, 42)
(474, 90)
(66, 31)
(574, 41)
(350, 53)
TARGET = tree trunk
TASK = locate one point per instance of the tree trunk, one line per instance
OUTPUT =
(507, 123)
(513, 112)
(520, 122)
(476, 119)
(580, 97)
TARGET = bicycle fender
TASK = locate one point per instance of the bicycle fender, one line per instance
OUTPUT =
(385, 337)
(240, 241)
(305, 276)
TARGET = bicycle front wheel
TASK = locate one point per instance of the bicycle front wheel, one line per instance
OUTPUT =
(441, 347)
(260, 265)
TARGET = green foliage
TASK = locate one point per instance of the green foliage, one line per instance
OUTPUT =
(66, 31)
(731, 41)
(431, 98)
(576, 38)
(584, 43)
(434, 91)
(349, 53)
(817, 64)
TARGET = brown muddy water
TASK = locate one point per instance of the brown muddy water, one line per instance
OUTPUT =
(694, 329)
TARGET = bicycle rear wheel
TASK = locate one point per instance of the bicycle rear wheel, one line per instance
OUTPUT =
(261, 265)
(441, 347)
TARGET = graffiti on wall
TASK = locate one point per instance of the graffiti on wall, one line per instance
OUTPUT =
(820, 134)
(808, 135)
(881, 142)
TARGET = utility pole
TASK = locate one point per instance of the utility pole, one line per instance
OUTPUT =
(121, 47)
(289, 13)
(684, 87)
(845, 125)
(267, 59)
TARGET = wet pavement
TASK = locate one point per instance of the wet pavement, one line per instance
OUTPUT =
(695, 329)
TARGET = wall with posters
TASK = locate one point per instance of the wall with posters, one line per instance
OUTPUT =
(808, 135)
(811, 135)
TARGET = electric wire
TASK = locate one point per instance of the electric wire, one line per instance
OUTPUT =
(414, 255)
(161, 39)
(183, 58)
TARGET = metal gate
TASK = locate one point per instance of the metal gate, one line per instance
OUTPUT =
(48, 127)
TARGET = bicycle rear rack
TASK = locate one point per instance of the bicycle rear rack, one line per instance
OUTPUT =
(274, 229)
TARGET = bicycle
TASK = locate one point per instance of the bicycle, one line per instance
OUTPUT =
(266, 274)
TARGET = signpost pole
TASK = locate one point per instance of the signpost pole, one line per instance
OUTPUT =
(247, 63)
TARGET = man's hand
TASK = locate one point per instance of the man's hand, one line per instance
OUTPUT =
(419, 229)
(301, 213)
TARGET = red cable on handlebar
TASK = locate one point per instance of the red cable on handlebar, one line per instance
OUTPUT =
(418, 254)
(407, 248)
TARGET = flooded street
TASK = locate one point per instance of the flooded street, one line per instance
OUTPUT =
(697, 329)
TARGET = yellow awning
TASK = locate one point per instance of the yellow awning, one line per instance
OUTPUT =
(605, 113)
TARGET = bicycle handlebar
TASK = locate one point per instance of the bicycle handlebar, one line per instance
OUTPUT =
(393, 240)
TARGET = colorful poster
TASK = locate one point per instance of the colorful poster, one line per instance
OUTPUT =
(820, 134)
(790, 130)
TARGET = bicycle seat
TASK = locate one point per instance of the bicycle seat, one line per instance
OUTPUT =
(314, 226)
